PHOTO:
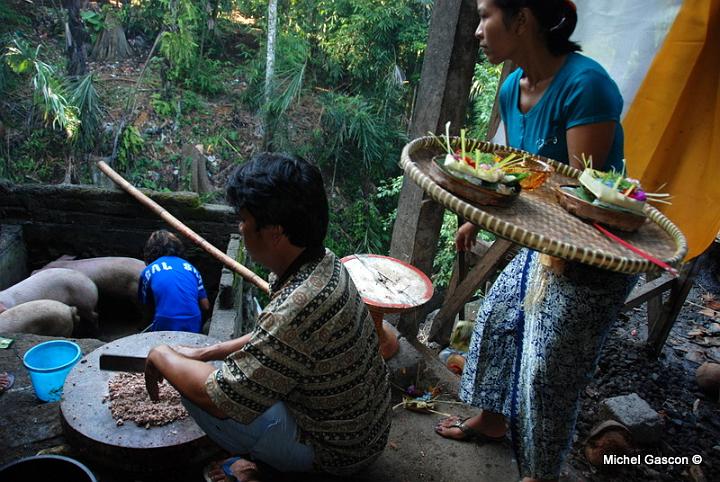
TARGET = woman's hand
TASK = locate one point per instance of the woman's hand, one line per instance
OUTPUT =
(465, 237)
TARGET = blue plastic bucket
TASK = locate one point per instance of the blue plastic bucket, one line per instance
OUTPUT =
(49, 364)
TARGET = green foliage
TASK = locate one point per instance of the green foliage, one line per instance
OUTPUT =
(354, 128)
(356, 228)
(11, 19)
(50, 93)
(482, 97)
(143, 17)
(141, 174)
(163, 108)
(130, 145)
(85, 99)
(291, 58)
(388, 194)
(33, 158)
(191, 102)
(180, 49)
(95, 23)
(205, 77)
(446, 253)
(364, 41)
(185, 23)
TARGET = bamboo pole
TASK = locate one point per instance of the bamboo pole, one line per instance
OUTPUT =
(184, 230)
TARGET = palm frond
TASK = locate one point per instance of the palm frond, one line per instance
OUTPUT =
(49, 91)
(85, 99)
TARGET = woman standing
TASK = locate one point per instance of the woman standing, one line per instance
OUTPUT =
(543, 323)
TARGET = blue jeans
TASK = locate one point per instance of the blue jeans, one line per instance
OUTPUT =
(271, 438)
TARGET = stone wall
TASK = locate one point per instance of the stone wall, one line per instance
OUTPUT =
(13, 256)
(87, 221)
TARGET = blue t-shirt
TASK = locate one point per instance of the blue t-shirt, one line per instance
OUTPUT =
(174, 286)
(581, 93)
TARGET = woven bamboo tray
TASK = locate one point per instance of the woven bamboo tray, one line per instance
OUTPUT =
(536, 220)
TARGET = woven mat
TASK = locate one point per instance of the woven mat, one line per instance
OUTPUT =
(535, 220)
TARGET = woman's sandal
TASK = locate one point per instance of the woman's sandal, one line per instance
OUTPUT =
(469, 433)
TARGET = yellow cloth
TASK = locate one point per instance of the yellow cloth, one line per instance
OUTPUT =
(672, 129)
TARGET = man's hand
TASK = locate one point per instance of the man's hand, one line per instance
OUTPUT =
(185, 374)
(153, 377)
(465, 237)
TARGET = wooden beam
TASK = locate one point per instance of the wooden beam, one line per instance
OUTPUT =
(456, 277)
(446, 77)
(660, 325)
(488, 265)
(648, 290)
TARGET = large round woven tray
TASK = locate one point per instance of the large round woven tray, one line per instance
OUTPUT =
(536, 220)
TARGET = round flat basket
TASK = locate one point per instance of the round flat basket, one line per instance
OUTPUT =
(470, 189)
(622, 220)
(537, 221)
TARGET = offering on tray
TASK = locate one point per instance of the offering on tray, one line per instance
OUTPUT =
(537, 172)
(483, 177)
(609, 198)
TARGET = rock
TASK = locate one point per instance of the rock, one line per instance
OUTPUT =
(703, 411)
(633, 412)
(695, 356)
(696, 474)
(714, 354)
(404, 366)
(607, 438)
(708, 378)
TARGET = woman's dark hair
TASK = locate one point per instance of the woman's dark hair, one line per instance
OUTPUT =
(282, 190)
(557, 19)
(162, 243)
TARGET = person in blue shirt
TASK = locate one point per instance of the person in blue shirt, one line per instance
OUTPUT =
(539, 332)
(171, 286)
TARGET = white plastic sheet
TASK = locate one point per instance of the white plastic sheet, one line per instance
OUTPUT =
(623, 36)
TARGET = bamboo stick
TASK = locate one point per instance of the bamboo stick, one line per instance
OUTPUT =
(183, 229)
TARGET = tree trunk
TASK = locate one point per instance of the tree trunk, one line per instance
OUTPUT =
(269, 72)
(111, 44)
(199, 181)
(75, 36)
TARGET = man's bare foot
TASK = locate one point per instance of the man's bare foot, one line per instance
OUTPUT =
(486, 427)
(243, 470)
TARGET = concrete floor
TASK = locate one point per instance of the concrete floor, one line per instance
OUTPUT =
(414, 453)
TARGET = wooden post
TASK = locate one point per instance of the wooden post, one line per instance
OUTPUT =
(445, 81)
(661, 320)
(493, 260)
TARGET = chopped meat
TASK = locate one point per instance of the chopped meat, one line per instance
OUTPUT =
(129, 401)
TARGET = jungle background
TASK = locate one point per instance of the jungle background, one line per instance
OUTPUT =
(133, 82)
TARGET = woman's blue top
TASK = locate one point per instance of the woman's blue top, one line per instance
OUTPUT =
(581, 93)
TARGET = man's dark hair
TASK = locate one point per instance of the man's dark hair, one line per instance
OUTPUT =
(557, 19)
(162, 243)
(282, 190)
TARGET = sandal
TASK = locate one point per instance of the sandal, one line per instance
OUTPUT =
(469, 433)
(223, 471)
